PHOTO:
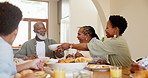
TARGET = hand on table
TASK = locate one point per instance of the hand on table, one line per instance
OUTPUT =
(136, 67)
(37, 63)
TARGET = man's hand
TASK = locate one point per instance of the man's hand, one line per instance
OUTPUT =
(31, 57)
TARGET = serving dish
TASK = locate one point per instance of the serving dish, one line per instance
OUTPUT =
(69, 67)
(98, 67)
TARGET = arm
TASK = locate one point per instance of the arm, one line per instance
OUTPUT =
(81, 46)
(65, 46)
(35, 64)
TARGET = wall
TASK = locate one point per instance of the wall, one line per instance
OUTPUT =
(54, 28)
(82, 12)
(135, 11)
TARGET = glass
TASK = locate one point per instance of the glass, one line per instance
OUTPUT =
(115, 71)
(83, 74)
(59, 73)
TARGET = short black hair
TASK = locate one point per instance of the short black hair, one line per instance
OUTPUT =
(118, 21)
(10, 16)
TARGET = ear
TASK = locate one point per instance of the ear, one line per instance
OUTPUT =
(87, 35)
(116, 30)
(16, 31)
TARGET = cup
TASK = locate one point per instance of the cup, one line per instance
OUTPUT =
(115, 71)
(83, 74)
(59, 73)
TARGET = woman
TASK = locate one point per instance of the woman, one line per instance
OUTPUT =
(87, 34)
(116, 48)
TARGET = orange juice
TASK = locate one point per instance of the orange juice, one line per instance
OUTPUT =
(116, 73)
(59, 73)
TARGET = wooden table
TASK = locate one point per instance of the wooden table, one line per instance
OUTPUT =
(106, 74)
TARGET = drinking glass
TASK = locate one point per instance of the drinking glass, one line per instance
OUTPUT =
(83, 74)
(116, 71)
(59, 73)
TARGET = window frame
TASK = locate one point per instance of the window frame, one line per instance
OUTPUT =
(29, 20)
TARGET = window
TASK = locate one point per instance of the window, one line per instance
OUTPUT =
(33, 11)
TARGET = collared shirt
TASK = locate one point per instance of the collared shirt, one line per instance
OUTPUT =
(7, 66)
(29, 48)
(116, 49)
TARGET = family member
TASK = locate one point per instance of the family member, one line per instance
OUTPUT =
(38, 47)
(10, 17)
(116, 47)
(87, 34)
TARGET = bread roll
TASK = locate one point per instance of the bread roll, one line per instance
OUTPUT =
(141, 74)
(24, 72)
(40, 74)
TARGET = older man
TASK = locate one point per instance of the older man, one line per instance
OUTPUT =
(38, 47)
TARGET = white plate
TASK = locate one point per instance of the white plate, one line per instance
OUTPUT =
(53, 47)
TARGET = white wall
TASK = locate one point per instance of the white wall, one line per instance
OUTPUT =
(82, 12)
(53, 28)
(135, 11)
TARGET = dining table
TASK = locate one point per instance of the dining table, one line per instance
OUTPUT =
(97, 74)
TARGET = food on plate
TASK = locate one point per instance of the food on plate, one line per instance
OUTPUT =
(17, 75)
(66, 60)
(89, 59)
(141, 74)
(24, 72)
(77, 60)
(77, 54)
(40, 74)
(98, 66)
(81, 60)
(69, 56)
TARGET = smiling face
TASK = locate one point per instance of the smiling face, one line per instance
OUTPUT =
(110, 30)
(40, 28)
(81, 36)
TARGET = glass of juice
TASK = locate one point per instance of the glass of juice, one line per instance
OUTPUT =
(115, 71)
(59, 73)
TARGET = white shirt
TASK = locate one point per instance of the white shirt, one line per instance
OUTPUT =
(40, 48)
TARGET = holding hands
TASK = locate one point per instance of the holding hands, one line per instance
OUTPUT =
(63, 47)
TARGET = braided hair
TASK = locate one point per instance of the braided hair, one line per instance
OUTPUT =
(90, 30)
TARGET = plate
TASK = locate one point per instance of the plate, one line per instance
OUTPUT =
(98, 67)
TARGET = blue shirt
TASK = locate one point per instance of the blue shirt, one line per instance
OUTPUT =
(7, 66)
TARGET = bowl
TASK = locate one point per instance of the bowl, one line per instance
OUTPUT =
(69, 67)
(53, 47)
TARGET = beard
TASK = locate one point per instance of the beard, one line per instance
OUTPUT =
(41, 36)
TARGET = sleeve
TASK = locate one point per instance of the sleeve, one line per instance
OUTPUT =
(101, 48)
(4, 75)
(7, 66)
(22, 52)
(53, 41)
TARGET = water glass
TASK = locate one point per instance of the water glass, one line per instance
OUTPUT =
(83, 74)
